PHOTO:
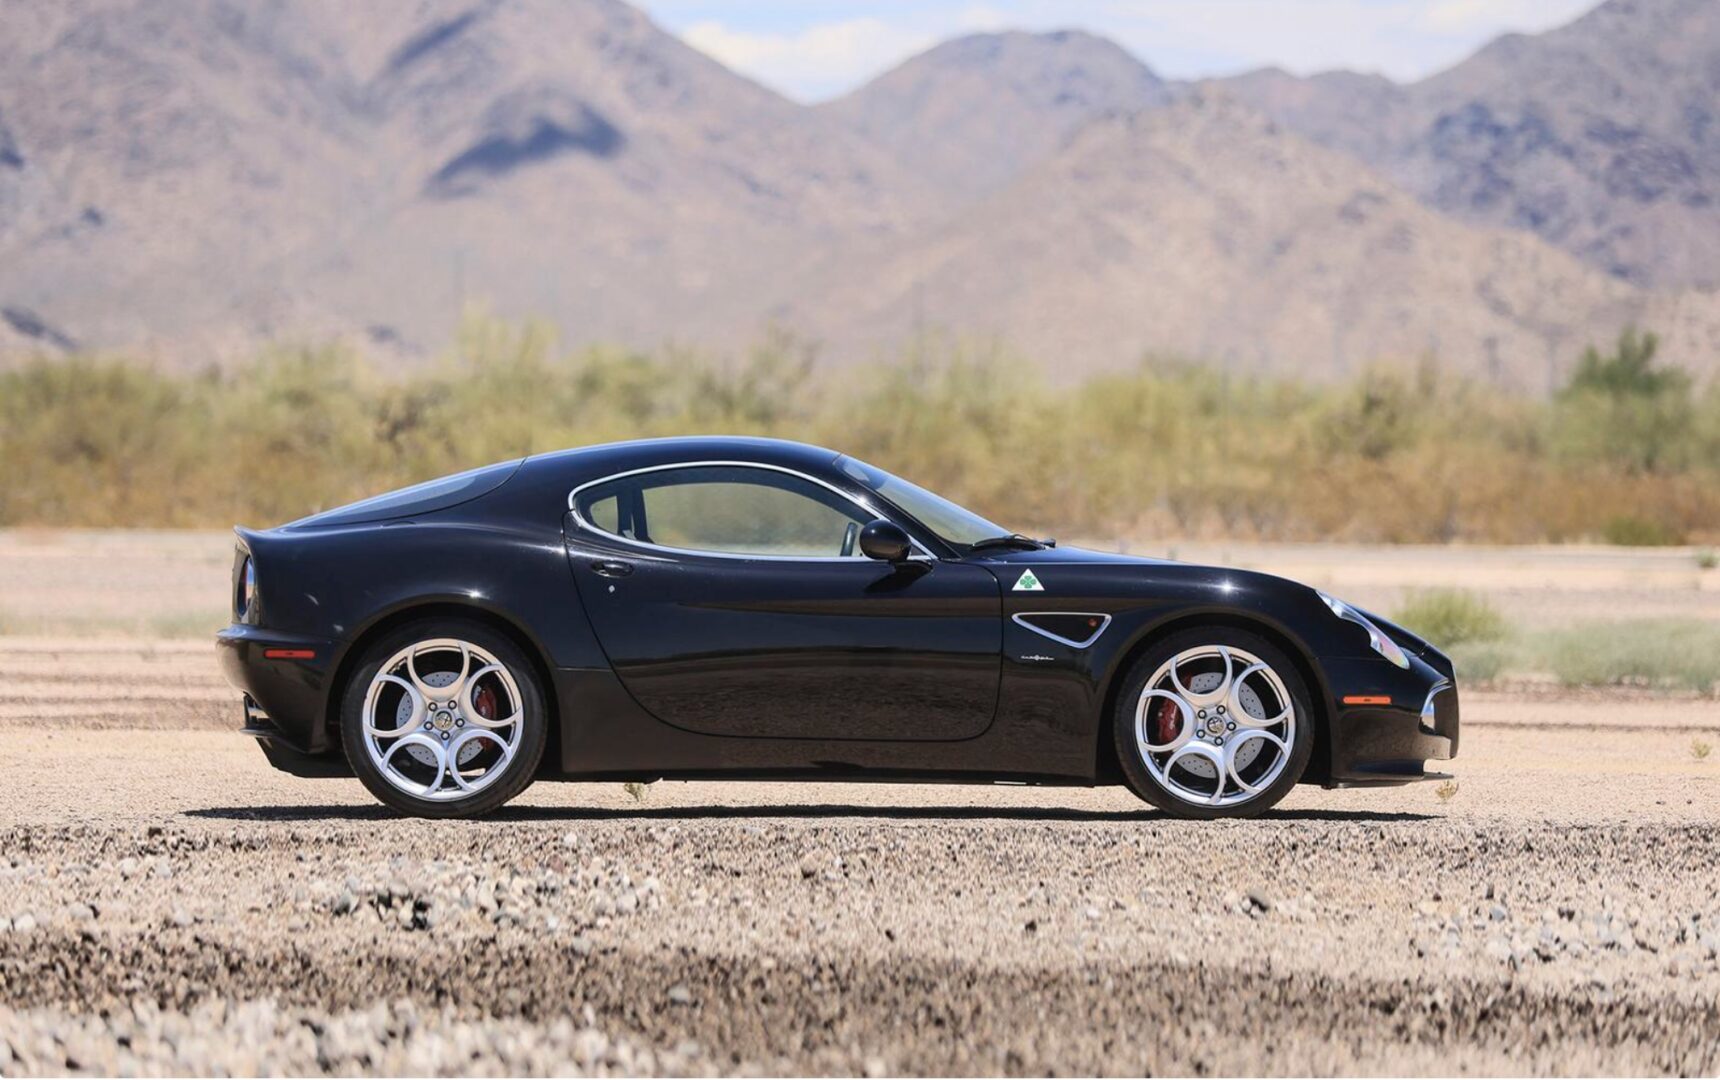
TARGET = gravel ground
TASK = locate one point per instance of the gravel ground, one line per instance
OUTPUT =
(170, 905)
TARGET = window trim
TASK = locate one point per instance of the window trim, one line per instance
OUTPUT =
(573, 509)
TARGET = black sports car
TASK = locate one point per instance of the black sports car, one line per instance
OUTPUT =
(726, 607)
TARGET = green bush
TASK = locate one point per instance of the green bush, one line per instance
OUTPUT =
(1619, 407)
(1450, 617)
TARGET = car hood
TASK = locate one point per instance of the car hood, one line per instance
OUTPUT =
(1065, 555)
(1094, 567)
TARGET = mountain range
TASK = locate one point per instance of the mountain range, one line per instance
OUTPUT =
(187, 181)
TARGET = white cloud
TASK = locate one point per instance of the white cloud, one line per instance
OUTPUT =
(1490, 17)
(1192, 38)
(818, 61)
(983, 19)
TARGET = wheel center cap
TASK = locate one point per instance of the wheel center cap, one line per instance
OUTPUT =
(443, 721)
(1215, 726)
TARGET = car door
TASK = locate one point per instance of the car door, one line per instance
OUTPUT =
(731, 600)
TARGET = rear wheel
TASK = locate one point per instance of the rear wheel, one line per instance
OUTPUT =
(1214, 722)
(444, 718)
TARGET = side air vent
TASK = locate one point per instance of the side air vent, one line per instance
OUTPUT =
(1077, 629)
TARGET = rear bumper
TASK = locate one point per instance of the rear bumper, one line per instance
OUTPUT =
(283, 756)
(1409, 719)
(285, 681)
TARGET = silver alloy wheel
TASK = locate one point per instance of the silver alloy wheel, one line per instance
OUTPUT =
(442, 719)
(1234, 726)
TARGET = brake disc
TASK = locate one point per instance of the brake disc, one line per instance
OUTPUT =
(1251, 704)
(421, 754)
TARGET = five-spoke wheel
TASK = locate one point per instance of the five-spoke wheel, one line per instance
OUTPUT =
(1213, 723)
(444, 718)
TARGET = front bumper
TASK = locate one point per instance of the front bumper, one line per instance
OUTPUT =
(285, 680)
(1388, 723)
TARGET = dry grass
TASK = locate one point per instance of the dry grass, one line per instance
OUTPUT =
(1661, 653)
(1650, 654)
(1150, 451)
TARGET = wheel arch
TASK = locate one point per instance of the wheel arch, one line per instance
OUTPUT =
(1106, 767)
(448, 609)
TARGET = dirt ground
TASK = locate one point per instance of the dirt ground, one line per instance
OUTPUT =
(169, 904)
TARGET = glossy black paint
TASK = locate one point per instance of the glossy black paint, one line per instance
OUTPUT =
(885, 541)
(849, 649)
(662, 663)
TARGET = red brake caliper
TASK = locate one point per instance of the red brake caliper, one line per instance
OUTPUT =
(1167, 722)
(485, 702)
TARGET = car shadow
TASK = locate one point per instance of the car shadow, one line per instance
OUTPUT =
(338, 812)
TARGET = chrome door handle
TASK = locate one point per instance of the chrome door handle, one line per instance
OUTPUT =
(611, 568)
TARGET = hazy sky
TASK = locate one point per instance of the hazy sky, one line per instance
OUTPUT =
(815, 49)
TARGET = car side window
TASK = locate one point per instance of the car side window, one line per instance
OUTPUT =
(605, 513)
(726, 510)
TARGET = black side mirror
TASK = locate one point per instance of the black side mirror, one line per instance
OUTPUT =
(885, 541)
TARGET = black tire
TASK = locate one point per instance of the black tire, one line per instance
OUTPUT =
(517, 774)
(1129, 753)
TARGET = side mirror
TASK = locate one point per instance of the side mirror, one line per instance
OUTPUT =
(885, 541)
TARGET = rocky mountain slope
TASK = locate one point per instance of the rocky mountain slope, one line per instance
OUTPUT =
(1602, 137)
(974, 112)
(225, 169)
(188, 180)
(1205, 229)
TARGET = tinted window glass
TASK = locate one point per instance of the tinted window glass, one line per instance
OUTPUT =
(731, 510)
(439, 494)
(953, 523)
(605, 514)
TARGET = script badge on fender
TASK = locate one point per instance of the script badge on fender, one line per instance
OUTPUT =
(1027, 583)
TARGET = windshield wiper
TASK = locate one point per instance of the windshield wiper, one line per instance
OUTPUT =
(1013, 540)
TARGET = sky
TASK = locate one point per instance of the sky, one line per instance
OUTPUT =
(812, 50)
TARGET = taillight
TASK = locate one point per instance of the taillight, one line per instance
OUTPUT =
(247, 594)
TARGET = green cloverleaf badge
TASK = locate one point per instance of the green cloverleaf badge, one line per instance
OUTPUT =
(1028, 583)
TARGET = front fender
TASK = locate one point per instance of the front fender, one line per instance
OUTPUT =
(1066, 694)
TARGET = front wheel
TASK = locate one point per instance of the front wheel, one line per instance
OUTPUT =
(444, 718)
(1213, 722)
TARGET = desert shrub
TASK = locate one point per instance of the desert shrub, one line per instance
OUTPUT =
(1164, 449)
(1629, 530)
(1450, 617)
(1481, 661)
(1620, 408)
(1656, 652)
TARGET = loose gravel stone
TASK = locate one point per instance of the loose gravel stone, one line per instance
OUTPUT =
(241, 921)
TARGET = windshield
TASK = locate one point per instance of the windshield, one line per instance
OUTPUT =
(950, 522)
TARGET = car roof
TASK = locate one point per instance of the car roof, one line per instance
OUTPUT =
(595, 462)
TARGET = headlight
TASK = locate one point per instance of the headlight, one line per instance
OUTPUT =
(1382, 644)
(247, 588)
